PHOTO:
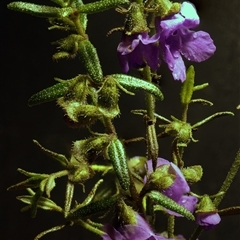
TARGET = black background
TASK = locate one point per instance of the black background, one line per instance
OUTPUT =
(27, 67)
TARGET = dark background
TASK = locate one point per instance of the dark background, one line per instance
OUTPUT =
(27, 67)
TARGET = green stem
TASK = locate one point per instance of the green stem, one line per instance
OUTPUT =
(184, 112)
(228, 180)
(171, 223)
(150, 99)
(152, 143)
(110, 129)
(79, 26)
(197, 232)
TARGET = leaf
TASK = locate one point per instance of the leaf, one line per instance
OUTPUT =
(56, 156)
(43, 203)
(187, 86)
(100, 6)
(40, 10)
(93, 208)
(116, 154)
(89, 58)
(132, 83)
(49, 94)
(168, 203)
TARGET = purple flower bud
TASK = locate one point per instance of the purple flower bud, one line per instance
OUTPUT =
(207, 220)
(206, 215)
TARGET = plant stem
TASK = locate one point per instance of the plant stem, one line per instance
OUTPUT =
(228, 180)
(110, 129)
(225, 186)
(152, 143)
(171, 223)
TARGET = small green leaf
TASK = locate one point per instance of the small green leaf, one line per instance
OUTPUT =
(32, 182)
(187, 86)
(93, 208)
(48, 185)
(116, 154)
(31, 174)
(89, 58)
(40, 10)
(202, 101)
(43, 203)
(49, 94)
(168, 203)
(218, 114)
(200, 87)
(100, 6)
(56, 156)
(132, 83)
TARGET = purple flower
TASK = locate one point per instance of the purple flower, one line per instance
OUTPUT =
(137, 50)
(178, 190)
(177, 39)
(207, 220)
(139, 231)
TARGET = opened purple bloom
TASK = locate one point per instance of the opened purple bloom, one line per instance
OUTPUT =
(207, 220)
(178, 190)
(140, 231)
(177, 39)
(137, 51)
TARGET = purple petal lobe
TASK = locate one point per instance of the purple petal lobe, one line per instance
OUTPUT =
(137, 51)
(111, 233)
(197, 46)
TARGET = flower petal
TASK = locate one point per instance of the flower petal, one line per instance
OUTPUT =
(168, 26)
(111, 233)
(188, 11)
(179, 187)
(197, 46)
(123, 61)
(175, 63)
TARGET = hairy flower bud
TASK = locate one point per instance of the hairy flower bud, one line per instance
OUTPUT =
(108, 98)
